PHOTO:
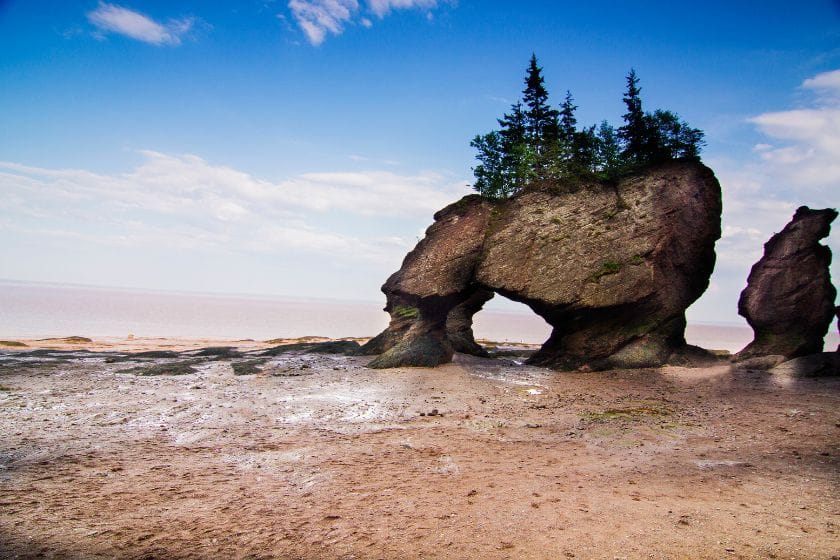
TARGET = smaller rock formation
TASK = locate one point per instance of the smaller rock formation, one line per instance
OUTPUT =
(789, 298)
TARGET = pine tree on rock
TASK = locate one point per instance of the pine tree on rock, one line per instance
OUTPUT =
(541, 126)
(635, 132)
(568, 121)
(490, 174)
(585, 160)
(539, 147)
(675, 138)
(518, 155)
(608, 148)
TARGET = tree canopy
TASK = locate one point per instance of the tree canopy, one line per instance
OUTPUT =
(539, 146)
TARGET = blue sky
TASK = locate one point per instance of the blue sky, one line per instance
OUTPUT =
(301, 147)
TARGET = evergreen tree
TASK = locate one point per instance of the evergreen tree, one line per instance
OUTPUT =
(506, 159)
(490, 175)
(585, 158)
(568, 122)
(692, 141)
(541, 126)
(675, 138)
(635, 132)
(513, 125)
(608, 151)
(537, 145)
(517, 158)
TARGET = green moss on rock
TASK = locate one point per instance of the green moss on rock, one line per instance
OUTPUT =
(328, 347)
(250, 367)
(607, 267)
(423, 351)
(185, 367)
(406, 312)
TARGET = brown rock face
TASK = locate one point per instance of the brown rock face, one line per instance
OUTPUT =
(611, 267)
(789, 298)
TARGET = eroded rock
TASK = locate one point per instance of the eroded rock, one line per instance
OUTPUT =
(611, 267)
(822, 364)
(459, 323)
(789, 298)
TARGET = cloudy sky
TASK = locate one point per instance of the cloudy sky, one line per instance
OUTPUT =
(301, 147)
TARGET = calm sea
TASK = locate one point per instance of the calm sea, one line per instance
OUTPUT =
(30, 310)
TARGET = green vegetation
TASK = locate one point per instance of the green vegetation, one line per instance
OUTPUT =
(69, 340)
(540, 147)
(607, 267)
(185, 367)
(77, 339)
(142, 356)
(220, 352)
(250, 367)
(348, 347)
(406, 312)
(12, 343)
(641, 410)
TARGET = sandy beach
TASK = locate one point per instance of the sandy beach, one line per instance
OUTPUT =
(315, 456)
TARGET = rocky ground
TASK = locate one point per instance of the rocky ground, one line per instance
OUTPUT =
(107, 454)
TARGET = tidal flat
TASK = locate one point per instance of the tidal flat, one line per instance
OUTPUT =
(299, 454)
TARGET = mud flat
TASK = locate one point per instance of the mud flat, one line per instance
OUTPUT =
(109, 454)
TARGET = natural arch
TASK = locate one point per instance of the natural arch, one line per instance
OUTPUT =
(611, 268)
(505, 321)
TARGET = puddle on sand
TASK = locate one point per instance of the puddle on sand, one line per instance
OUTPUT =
(510, 376)
(264, 459)
(709, 464)
(338, 403)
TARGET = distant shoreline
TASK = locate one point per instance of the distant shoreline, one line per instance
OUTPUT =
(188, 293)
(38, 310)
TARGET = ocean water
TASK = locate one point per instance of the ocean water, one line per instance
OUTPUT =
(32, 310)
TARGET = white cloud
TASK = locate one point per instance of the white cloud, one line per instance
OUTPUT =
(798, 164)
(827, 84)
(382, 7)
(111, 18)
(185, 201)
(318, 18)
(808, 152)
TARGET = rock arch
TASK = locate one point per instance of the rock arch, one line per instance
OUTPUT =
(611, 267)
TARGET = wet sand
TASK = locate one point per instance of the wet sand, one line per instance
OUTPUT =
(316, 456)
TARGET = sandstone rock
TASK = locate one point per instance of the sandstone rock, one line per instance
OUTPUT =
(433, 282)
(789, 298)
(459, 324)
(695, 357)
(611, 267)
(762, 363)
(814, 365)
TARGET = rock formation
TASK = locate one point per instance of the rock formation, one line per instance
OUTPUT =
(789, 298)
(612, 267)
(822, 364)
